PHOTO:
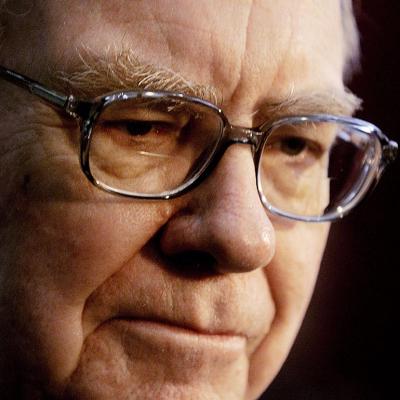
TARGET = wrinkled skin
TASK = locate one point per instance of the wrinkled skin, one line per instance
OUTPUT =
(79, 266)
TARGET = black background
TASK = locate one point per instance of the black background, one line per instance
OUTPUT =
(348, 345)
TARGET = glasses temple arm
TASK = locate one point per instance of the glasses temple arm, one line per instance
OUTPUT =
(52, 97)
(390, 151)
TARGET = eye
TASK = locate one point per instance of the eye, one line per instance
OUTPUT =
(293, 146)
(132, 128)
(139, 128)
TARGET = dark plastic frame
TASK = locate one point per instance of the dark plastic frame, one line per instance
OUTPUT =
(86, 112)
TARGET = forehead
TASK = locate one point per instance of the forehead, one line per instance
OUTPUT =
(242, 47)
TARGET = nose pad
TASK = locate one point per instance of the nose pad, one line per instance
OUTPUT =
(224, 218)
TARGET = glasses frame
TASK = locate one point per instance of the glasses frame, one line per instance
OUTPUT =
(86, 113)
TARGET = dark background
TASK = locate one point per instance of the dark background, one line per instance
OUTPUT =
(348, 346)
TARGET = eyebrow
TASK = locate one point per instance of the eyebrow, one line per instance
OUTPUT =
(336, 102)
(93, 75)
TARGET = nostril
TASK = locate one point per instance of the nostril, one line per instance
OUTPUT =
(192, 264)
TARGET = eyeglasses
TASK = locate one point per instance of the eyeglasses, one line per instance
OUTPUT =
(160, 145)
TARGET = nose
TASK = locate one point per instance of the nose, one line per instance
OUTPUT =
(224, 218)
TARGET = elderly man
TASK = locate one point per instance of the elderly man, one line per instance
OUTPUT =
(164, 165)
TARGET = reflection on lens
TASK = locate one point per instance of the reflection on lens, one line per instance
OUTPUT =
(152, 146)
(311, 169)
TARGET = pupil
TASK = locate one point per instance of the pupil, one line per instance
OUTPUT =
(139, 127)
(293, 146)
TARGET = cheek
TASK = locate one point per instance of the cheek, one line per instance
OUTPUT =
(53, 255)
(291, 276)
(56, 225)
(295, 267)
(75, 246)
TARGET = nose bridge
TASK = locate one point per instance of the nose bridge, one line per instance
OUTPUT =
(240, 134)
(235, 221)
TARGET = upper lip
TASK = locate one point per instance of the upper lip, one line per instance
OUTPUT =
(221, 306)
(188, 313)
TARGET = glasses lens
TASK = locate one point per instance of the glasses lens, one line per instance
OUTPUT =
(314, 169)
(152, 146)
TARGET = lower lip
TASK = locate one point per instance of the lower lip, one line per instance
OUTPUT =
(167, 334)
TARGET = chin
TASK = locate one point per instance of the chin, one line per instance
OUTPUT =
(126, 359)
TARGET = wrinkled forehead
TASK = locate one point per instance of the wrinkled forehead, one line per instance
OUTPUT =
(226, 43)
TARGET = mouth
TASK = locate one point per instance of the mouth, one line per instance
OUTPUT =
(161, 354)
(170, 333)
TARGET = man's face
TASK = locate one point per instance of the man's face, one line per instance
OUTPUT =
(198, 297)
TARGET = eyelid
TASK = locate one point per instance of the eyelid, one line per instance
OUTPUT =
(314, 144)
(178, 119)
(311, 132)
